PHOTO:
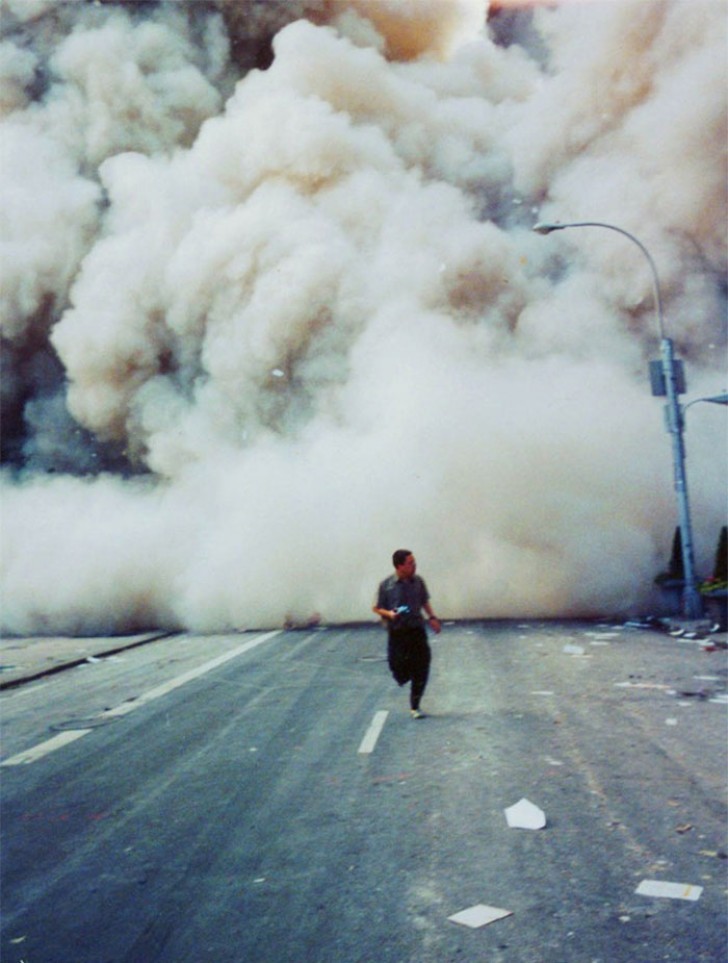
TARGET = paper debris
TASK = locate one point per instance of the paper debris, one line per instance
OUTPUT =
(479, 915)
(541, 692)
(641, 685)
(720, 700)
(525, 815)
(657, 887)
(574, 650)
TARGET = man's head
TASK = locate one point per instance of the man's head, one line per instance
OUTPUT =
(404, 563)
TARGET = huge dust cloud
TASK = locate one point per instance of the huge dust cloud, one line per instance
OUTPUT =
(272, 306)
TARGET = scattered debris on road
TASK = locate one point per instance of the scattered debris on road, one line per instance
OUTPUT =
(525, 815)
(665, 890)
(641, 685)
(479, 915)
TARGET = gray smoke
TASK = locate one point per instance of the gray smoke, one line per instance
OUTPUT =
(272, 306)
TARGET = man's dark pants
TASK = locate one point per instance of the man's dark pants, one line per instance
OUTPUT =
(409, 657)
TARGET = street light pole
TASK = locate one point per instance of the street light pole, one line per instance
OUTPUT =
(669, 385)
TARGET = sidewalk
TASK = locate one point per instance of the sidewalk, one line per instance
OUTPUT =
(32, 657)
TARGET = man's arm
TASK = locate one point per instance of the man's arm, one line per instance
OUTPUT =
(432, 618)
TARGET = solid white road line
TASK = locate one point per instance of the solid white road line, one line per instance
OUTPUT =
(63, 738)
(186, 677)
(44, 748)
(372, 734)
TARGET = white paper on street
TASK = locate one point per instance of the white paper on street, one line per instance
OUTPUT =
(658, 887)
(479, 915)
(525, 815)
(641, 685)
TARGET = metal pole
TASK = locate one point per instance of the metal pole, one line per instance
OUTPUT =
(691, 600)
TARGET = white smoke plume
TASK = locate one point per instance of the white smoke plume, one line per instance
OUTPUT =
(272, 307)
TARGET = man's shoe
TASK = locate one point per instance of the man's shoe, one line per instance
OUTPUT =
(416, 714)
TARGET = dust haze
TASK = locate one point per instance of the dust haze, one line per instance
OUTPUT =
(272, 306)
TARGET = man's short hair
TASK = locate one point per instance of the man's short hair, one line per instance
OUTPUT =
(400, 557)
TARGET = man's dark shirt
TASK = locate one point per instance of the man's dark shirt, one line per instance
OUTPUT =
(412, 592)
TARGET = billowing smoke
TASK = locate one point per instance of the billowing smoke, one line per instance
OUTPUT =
(272, 306)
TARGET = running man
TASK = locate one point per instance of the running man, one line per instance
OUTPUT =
(400, 601)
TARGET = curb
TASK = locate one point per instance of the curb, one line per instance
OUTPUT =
(73, 663)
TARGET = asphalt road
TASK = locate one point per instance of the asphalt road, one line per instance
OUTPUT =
(265, 798)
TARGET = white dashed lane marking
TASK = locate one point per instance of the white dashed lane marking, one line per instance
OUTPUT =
(372, 734)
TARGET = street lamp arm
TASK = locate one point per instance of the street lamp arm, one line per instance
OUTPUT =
(545, 228)
(721, 399)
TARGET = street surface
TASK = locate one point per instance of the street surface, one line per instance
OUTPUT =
(265, 798)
